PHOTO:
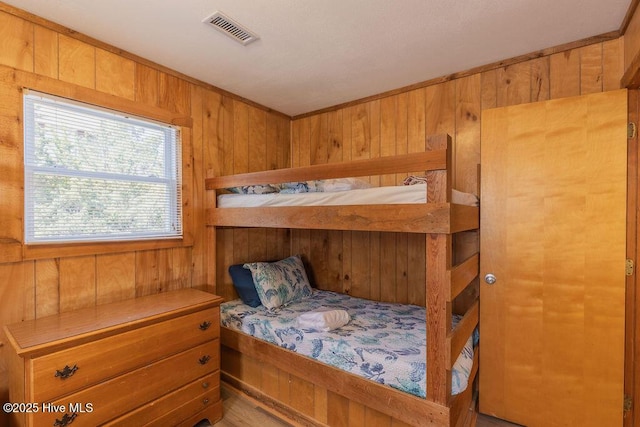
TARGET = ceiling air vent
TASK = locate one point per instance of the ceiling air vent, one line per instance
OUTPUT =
(231, 28)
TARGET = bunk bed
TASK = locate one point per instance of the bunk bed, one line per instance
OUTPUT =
(438, 219)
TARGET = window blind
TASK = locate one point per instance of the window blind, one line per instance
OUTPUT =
(92, 174)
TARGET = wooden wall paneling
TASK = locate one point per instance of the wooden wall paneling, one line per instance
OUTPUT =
(45, 45)
(374, 282)
(240, 165)
(173, 94)
(147, 276)
(147, 85)
(16, 42)
(228, 128)
(76, 62)
(214, 157)
(468, 107)
(346, 251)
(284, 140)
(441, 109)
(115, 277)
(335, 130)
(257, 145)
(416, 137)
(318, 128)
(17, 303)
(318, 256)
(47, 284)
(115, 75)
(187, 194)
(591, 69)
(514, 84)
(388, 115)
(77, 282)
(12, 171)
(467, 137)
(565, 74)
(359, 275)
(200, 197)
(402, 249)
(180, 269)
(489, 89)
(301, 239)
(257, 140)
(540, 79)
(416, 122)
(612, 63)
(632, 41)
(226, 257)
(226, 160)
(273, 135)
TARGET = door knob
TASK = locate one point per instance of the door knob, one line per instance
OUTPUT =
(490, 279)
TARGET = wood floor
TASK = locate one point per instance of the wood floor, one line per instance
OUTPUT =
(241, 411)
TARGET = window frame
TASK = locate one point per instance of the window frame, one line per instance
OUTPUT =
(170, 178)
(28, 81)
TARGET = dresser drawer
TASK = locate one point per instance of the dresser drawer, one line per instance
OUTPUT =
(96, 361)
(203, 402)
(116, 396)
(197, 395)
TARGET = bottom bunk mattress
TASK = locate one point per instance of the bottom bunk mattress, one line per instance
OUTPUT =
(383, 342)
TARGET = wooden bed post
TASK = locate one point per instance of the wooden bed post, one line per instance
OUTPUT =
(438, 263)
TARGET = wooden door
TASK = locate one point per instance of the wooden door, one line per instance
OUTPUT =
(553, 217)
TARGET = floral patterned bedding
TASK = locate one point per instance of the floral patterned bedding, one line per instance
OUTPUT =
(383, 342)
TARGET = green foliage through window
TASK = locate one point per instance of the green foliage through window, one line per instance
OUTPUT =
(95, 175)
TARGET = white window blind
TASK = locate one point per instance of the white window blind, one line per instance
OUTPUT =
(96, 175)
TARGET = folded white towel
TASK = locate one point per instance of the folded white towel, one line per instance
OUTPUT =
(323, 320)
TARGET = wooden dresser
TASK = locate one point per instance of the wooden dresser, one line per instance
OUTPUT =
(153, 360)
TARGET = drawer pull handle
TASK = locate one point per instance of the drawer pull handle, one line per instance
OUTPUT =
(66, 372)
(65, 421)
(204, 359)
(205, 400)
(205, 385)
(205, 325)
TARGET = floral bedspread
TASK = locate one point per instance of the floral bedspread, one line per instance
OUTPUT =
(383, 342)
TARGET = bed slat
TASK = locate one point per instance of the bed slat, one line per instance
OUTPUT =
(463, 274)
(409, 218)
(459, 336)
(429, 160)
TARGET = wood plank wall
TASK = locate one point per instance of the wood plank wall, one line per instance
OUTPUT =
(390, 266)
(230, 135)
(227, 135)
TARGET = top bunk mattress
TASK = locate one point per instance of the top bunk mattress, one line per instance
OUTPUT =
(400, 194)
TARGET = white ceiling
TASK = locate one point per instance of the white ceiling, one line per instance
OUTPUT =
(314, 54)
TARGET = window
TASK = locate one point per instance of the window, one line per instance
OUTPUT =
(98, 175)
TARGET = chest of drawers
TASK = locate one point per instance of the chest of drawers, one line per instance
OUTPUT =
(153, 360)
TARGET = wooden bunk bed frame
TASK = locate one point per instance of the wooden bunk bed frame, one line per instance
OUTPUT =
(438, 219)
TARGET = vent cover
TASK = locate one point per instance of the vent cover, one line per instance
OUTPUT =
(228, 26)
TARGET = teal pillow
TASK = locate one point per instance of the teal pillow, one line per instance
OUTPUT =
(280, 283)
